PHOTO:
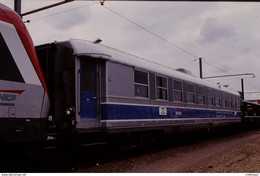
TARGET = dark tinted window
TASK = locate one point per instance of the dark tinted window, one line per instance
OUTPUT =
(161, 82)
(190, 98)
(141, 77)
(141, 91)
(88, 76)
(190, 93)
(218, 98)
(177, 91)
(210, 101)
(217, 101)
(177, 85)
(177, 96)
(235, 102)
(210, 97)
(141, 84)
(230, 103)
(201, 91)
(161, 94)
(201, 96)
(210, 93)
(190, 88)
(161, 88)
(8, 68)
(224, 100)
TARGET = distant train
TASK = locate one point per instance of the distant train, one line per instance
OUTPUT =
(82, 91)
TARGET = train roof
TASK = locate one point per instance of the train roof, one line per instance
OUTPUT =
(87, 48)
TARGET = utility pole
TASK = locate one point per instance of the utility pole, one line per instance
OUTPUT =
(46, 7)
(18, 6)
(200, 67)
(242, 105)
(242, 87)
(231, 75)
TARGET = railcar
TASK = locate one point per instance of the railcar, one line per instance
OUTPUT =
(96, 88)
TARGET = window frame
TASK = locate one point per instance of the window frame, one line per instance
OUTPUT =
(177, 90)
(141, 84)
(224, 100)
(218, 98)
(230, 101)
(235, 102)
(161, 88)
(190, 93)
(201, 95)
(210, 97)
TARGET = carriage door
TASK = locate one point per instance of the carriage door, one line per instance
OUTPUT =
(88, 91)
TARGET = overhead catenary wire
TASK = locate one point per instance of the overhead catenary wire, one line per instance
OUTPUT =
(131, 21)
(216, 67)
(149, 31)
(65, 11)
(225, 65)
(140, 26)
(252, 85)
(156, 35)
(163, 39)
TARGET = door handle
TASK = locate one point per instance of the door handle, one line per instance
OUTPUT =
(94, 98)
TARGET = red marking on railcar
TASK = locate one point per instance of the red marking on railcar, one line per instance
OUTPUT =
(13, 18)
(13, 91)
(3, 17)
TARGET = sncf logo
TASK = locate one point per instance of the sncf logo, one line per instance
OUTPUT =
(9, 95)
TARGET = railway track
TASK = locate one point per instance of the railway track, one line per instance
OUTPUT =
(81, 158)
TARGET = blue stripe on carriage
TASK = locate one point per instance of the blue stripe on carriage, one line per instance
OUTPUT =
(124, 112)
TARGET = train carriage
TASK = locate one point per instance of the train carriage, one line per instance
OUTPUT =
(97, 88)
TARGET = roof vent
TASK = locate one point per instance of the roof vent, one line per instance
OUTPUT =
(183, 70)
(97, 41)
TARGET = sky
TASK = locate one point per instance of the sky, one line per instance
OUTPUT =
(224, 34)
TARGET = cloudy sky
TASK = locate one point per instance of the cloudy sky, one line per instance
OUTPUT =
(225, 34)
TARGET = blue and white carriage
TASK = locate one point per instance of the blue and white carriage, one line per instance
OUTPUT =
(106, 89)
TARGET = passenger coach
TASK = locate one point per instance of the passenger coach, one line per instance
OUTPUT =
(95, 88)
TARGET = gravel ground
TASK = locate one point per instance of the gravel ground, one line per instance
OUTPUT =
(232, 154)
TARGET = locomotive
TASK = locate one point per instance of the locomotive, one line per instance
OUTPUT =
(24, 99)
(83, 92)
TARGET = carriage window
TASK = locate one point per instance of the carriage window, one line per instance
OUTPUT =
(235, 100)
(190, 93)
(230, 103)
(201, 96)
(177, 91)
(88, 78)
(141, 84)
(224, 101)
(218, 100)
(210, 97)
(161, 88)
